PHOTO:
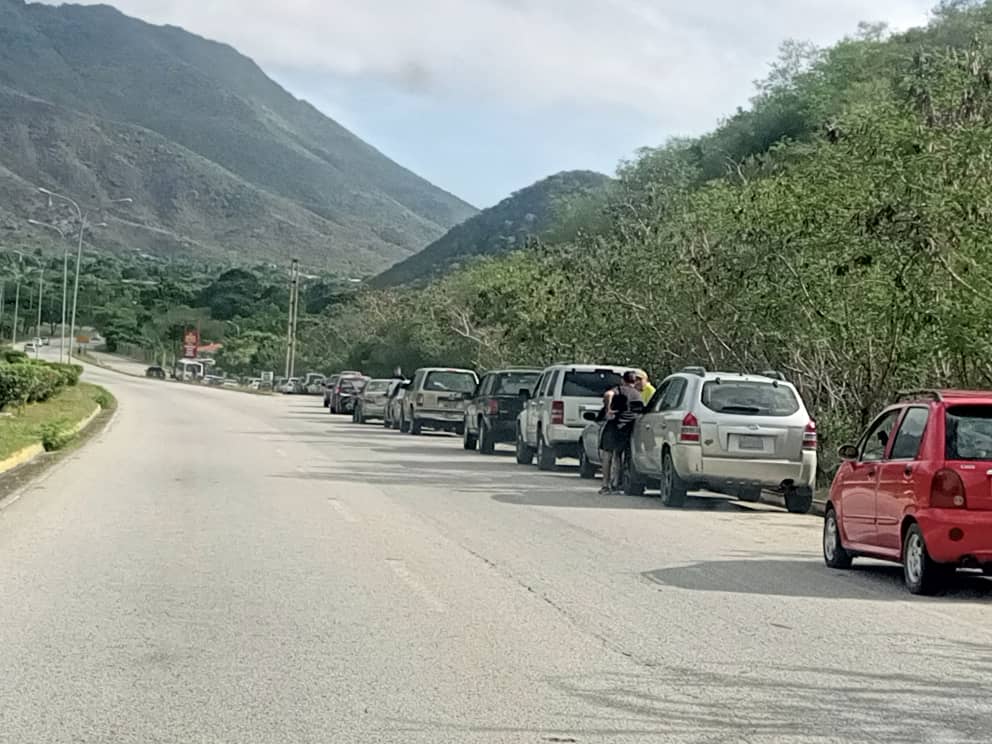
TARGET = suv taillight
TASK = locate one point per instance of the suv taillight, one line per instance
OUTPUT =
(809, 436)
(420, 399)
(947, 491)
(690, 429)
(493, 407)
(557, 412)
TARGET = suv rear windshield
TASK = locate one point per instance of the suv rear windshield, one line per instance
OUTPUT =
(458, 382)
(511, 383)
(352, 383)
(749, 398)
(377, 386)
(968, 433)
(589, 384)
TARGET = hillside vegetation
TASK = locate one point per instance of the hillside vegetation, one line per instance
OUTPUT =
(837, 230)
(528, 213)
(221, 161)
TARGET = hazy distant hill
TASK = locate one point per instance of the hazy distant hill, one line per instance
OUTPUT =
(499, 229)
(220, 160)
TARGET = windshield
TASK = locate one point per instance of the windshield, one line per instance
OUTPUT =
(749, 398)
(511, 383)
(352, 383)
(589, 384)
(457, 382)
(377, 386)
(968, 433)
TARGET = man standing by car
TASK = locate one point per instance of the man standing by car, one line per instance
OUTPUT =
(621, 405)
(644, 385)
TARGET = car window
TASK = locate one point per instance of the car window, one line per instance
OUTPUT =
(749, 398)
(449, 381)
(553, 383)
(968, 433)
(511, 383)
(655, 403)
(589, 384)
(875, 441)
(909, 437)
(377, 386)
(673, 395)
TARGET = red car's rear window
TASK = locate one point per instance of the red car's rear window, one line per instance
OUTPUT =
(968, 432)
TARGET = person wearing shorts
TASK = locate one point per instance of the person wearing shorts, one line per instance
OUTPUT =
(622, 405)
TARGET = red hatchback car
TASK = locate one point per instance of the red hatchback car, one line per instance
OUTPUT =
(917, 489)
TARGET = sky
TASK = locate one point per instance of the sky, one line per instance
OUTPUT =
(484, 97)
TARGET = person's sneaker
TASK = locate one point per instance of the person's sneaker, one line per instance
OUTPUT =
(605, 491)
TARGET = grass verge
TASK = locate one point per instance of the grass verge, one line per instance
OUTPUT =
(51, 422)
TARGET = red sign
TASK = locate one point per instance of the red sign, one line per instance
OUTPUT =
(191, 343)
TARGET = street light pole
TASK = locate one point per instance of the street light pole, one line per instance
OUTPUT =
(41, 287)
(65, 281)
(79, 257)
(17, 301)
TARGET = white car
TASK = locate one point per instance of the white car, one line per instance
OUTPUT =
(551, 422)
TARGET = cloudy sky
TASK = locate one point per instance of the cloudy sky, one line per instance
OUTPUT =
(483, 97)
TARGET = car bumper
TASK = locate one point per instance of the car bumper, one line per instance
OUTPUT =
(731, 473)
(502, 431)
(447, 417)
(957, 535)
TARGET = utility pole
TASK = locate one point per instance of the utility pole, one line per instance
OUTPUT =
(17, 301)
(3, 285)
(291, 325)
(296, 317)
(41, 288)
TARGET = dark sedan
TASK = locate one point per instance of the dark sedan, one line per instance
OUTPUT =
(491, 412)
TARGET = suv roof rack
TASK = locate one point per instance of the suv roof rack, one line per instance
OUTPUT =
(698, 371)
(926, 393)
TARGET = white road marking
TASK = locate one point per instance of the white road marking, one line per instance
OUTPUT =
(343, 511)
(416, 585)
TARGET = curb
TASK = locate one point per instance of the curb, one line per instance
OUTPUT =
(27, 454)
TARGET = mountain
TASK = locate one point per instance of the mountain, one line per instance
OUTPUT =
(500, 229)
(221, 161)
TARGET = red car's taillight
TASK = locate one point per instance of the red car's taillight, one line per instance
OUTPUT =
(558, 412)
(947, 491)
(809, 436)
(690, 429)
(493, 407)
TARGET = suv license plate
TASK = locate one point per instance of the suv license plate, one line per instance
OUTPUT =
(748, 442)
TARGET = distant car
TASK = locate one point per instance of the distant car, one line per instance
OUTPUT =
(346, 392)
(155, 372)
(30, 346)
(436, 399)
(393, 416)
(46, 341)
(291, 386)
(371, 404)
(313, 384)
(551, 423)
(330, 384)
(915, 489)
(491, 413)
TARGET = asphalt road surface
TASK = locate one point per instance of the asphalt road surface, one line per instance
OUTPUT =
(222, 567)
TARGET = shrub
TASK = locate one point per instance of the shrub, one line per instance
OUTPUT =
(104, 399)
(69, 373)
(22, 383)
(13, 356)
(55, 435)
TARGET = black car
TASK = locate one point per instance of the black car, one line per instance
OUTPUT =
(155, 372)
(346, 392)
(491, 412)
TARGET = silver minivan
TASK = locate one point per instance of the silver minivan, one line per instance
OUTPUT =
(731, 433)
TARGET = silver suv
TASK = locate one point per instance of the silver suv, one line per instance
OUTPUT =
(551, 422)
(727, 432)
(436, 399)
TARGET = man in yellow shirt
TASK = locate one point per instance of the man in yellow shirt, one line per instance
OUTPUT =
(644, 385)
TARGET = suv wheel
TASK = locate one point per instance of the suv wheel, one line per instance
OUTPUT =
(404, 424)
(834, 553)
(469, 439)
(751, 494)
(414, 425)
(799, 500)
(922, 574)
(487, 445)
(673, 489)
(525, 453)
(630, 480)
(545, 454)
(586, 469)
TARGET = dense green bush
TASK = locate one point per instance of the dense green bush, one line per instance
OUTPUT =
(35, 381)
(55, 435)
(15, 357)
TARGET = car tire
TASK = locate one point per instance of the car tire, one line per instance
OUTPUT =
(751, 494)
(525, 453)
(360, 414)
(545, 455)
(404, 424)
(921, 573)
(987, 569)
(587, 470)
(799, 500)
(386, 423)
(835, 555)
(469, 440)
(415, 426)
(630, 481)
(674, 490)
(487, 445)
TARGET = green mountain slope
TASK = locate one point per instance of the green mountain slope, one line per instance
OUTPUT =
(499, 229)
(219, 159)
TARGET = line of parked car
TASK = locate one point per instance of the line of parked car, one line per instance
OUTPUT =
(915, 489)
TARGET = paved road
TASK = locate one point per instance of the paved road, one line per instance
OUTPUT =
(220, 567)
